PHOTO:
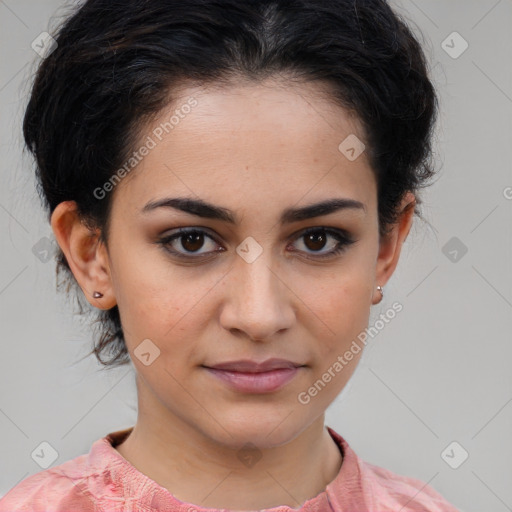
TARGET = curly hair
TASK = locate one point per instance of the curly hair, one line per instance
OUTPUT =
(118, 62)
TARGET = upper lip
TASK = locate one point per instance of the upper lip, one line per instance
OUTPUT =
(246, 365)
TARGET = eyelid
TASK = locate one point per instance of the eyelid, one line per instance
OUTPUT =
(344, 238)
(167, 239)
(332, 230)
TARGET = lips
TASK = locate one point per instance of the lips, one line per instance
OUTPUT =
(246, 376)
(248, 366)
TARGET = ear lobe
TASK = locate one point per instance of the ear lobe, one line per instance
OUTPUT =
(86, 255)
(391, 244)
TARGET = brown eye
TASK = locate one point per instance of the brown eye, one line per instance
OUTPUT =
(192, 241)
(186, 242)
(318, 238)
(315, 241)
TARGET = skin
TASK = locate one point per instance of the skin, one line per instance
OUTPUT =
(255, 149)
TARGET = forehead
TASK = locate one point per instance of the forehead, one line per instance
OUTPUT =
(249, 142)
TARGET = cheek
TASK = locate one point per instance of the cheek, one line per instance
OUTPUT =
(161, 303)
(144, 295)
(341, 312)
(337, 308)
(344, 313)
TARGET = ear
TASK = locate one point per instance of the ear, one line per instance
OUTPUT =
(390, 245)
(86, 255)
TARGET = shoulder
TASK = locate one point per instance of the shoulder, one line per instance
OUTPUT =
(361, 484)
(62, 487)
(101, 480)
(395, 490)
(78, 484)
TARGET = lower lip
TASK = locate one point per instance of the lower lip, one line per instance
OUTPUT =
(263, 382)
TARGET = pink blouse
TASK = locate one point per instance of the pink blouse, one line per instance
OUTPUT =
(104, 481)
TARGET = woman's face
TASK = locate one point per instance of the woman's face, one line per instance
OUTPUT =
(253, 287)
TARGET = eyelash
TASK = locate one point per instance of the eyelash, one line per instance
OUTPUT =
(344, 240)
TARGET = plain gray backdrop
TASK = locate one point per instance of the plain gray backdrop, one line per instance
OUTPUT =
(432, 396)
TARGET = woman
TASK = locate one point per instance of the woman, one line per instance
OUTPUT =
(230, 183)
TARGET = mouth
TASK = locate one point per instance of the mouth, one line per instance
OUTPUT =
(252, 377)
(250, 366)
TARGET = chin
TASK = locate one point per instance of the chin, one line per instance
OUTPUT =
(264, 431)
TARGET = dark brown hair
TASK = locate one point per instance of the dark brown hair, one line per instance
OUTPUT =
(118, 62)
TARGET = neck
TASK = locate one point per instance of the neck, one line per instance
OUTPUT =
(198, 469)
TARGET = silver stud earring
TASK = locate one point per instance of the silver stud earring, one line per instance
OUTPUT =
(381, 291)
(97, 295)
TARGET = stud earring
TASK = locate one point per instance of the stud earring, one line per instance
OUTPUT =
(97, 295)
(379, 288)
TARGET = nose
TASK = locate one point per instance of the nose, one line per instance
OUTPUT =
(258, 302)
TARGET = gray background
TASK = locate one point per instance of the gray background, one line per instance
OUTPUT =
(438, 373)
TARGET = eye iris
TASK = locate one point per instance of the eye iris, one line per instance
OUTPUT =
(316, 237)
(196, 239)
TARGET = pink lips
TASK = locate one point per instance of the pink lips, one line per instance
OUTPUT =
(252, 377)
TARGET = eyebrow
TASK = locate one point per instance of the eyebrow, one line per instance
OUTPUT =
(207, 210)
